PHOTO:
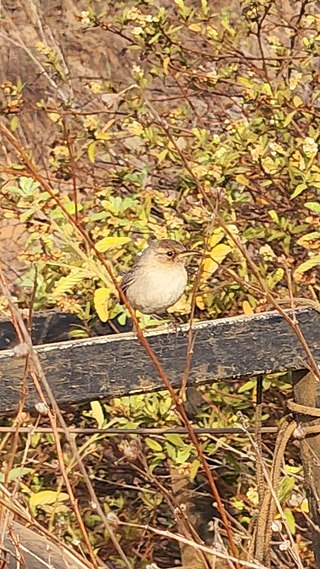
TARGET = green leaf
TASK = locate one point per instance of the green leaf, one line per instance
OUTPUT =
(290, 520)
(241, 179)
(314, 235)
(158, 460)
(162, 155)
(153, 445)
(289, 118)
(109, 242)
(273, 278)
(183, 454)
(97, 413)
(194, 467)
(307, 265)
(14, 123)
(28, 186)
(274, 216)
(16, 473)
(299, 189)
(175, 440)
(66, 284)
(248, 386)
(313, 206)
(122, 319)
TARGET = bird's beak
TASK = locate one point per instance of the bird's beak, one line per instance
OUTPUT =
(186, 253)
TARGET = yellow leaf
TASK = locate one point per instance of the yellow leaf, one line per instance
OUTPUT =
(242, 180)
(195, 27)
(305, 506)
(217, 255)
(246, 307)
(215, 238)
(109, 242)
(199, 303)
(165, 64)
(100, 301)
(193, 469)
(91, 151)
(297, 101)
(55, 117)
(183, 306)
(47, 497)
(102, 135)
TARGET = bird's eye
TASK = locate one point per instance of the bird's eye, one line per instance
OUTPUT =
(169, 253)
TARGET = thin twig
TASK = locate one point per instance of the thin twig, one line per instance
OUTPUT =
(144, 431)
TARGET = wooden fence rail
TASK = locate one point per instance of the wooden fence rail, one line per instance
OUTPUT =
(105, 366)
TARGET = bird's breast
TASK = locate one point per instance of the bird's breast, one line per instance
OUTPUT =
(154, 290)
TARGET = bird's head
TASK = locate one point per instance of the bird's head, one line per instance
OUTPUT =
(168, 252)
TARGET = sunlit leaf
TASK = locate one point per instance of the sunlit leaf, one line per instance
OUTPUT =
(100, 300)
(175, 440)
(195, 27)
(67, 283)
(298, 190)
(92, 151)
(290, 520)
(97, 413)
(165, 64)
(247, 308)
(109, 242)
(46, 497)
(307, 265)
(313, 236)
(194, 468)
(15, 473)
(313, 206)
(215, 257)
(14, 123)
(248, 386)
(153, 445)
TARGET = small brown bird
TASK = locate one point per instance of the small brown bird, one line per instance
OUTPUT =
(158, 277)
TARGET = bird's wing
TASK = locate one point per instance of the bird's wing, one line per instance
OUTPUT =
(127, 280)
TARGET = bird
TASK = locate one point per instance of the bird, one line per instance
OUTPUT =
(158, 277)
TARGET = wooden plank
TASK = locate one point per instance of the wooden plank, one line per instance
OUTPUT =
(53, 326)
(47, 326)
(38, 551)
(95, 368)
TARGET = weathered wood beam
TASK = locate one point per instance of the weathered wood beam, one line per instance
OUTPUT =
(47, 326)
(37, 550)
(53, 326)
(96, 368)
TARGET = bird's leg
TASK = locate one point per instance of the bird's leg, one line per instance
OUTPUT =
(174, 324)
